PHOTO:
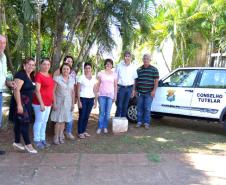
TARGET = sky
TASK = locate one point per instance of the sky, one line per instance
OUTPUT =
(157, 59)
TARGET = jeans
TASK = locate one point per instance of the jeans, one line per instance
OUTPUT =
(123, 97)
(69, 127)
(105, 104)
(41, 119)
(84, 112)
(1, 102)
(144, 102)
(21, 128)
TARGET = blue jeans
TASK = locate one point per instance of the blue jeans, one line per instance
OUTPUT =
(123, 97)
(1, 102)
(104, 113)
(69, 127)
(144, 102)
(84, 112)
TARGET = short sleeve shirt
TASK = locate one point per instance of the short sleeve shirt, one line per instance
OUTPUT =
(64, 88)
(146, 78)
(3, 72)
(73, 75)
(126, 74)
(46, 90)
(87, 87)
(28, 86)
(107, 84)
(26, 94)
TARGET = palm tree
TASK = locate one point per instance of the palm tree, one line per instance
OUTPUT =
(214, 26)
(19, 16)
(66, 22)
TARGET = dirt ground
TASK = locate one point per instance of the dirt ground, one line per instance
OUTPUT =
(166, 135)
(173, 152)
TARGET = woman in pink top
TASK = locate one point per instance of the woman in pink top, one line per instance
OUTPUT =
(107, 91)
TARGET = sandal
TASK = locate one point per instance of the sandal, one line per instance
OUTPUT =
(86, 134)
(81, 136)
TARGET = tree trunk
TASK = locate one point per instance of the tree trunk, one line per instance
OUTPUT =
(2, 25)
(168, 68)
(72, 32)
(38, 49)
(58, 38)
(182, 52)
(89, 28)
(4, 31)
(84, 57)
(70, 38)
(211, 44)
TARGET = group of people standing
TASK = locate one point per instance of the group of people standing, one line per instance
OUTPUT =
(41, 91)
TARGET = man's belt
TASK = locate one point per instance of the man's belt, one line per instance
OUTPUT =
(125, 86)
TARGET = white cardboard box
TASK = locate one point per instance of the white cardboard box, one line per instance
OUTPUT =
(119, 125)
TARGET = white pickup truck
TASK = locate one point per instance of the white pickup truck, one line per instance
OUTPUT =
(194, 92)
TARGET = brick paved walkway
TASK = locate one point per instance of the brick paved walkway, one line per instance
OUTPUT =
(111, 169)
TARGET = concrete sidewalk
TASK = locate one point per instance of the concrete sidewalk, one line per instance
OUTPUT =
(115, 169)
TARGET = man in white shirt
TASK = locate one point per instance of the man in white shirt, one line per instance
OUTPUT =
(3, 75)
(126, 74)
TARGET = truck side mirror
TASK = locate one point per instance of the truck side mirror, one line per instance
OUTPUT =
(160, 83)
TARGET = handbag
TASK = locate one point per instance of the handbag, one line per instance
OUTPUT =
(24, 117)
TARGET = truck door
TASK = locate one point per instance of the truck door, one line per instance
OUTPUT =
(209, 97)
(175, 93)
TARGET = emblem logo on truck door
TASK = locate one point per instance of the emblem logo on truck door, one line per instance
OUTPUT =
(170, 96)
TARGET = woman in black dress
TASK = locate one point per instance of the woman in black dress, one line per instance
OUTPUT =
(22, 100)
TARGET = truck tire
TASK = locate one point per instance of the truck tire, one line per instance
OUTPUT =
(224, 123)
(132, 113)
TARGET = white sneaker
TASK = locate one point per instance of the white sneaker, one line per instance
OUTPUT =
(70, 136)
(87, 134)
(30, 149)
(18, 146)
(138, 125)
(105, 130)
(146, 126)
(98, 131)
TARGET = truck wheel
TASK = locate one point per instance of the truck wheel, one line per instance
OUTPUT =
(132, 113)
(224, 123)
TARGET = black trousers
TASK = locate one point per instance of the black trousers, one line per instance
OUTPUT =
(21, 128)
(84, 112)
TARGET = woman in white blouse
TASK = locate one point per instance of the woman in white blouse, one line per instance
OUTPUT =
(86, 99)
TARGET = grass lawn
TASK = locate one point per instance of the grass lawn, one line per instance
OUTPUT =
(165, 135)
